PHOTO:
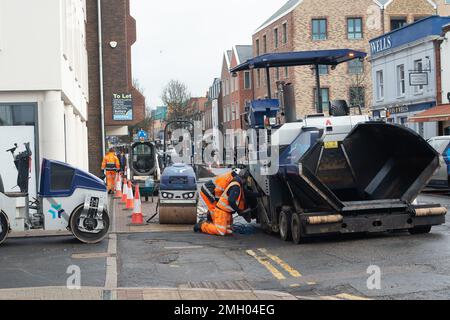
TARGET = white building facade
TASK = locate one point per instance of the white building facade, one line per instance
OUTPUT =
(43, 83)
(214, 95)
(404, 73)
(445, 64)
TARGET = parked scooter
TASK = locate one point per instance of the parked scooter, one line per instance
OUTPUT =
(68, 199)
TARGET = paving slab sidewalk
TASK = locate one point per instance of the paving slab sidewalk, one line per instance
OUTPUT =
(62, 293)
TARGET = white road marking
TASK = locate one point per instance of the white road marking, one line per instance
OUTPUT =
(111, 264)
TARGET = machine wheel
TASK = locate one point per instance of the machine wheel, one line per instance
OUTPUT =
(420, 230)
(285, 225)
(4, 227)
(85, 237)
(296, 227)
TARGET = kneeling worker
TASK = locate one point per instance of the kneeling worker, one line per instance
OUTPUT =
(231, 201)
(212, 190)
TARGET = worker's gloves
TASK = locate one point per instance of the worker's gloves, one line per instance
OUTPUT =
(198, 226)
(247, 215)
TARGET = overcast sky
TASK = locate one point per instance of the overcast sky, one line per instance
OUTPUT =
(185, 40)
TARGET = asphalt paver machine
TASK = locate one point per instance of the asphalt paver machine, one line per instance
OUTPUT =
(68, 199)
(336, 173)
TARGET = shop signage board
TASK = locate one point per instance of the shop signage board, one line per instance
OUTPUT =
(418, 79)
(122, 106)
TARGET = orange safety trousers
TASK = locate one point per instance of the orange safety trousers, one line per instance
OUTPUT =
(111, 180)
(221, 224)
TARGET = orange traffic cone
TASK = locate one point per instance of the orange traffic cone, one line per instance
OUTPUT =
(124, 192)
(118, 194)
(130, 198)
(137, 218)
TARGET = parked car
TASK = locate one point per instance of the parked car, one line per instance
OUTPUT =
(441, 178)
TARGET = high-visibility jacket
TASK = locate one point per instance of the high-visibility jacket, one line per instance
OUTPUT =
(111, 162)
(213, 190)
(223, 214)
(222, 182)
(223, 203)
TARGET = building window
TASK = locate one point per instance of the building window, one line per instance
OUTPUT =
(275, 37)
(354, 28)
(325, 99)
(323, 70)
(357, 97)
(277, 74)
(286, 72)
(17, 115)
(264, 44)
(401, 80)
(247, 80)
(380, 85)
(319, 29)
(403, 120)
(258, 76)
(257, 47)
(418, 67)
(397, 23)
(422, 129)
(355, 66)
(285, 35)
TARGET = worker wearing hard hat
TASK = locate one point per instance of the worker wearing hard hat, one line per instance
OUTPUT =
(111, 165)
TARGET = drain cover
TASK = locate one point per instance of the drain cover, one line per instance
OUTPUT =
(218, 285)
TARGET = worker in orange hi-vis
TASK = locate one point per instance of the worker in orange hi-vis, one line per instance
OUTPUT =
(232, 201)
(111, 165)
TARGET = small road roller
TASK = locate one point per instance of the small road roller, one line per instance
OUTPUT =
(69, 199)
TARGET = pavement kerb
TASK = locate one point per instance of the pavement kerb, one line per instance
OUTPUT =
(96, 293)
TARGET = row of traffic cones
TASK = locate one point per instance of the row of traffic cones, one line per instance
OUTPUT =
(125, 194)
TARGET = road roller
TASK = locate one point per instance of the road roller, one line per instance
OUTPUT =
(68, 199)
(178, 195)
(334, 172)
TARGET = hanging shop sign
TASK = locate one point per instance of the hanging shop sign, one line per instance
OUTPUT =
(122, 107)
(418, 79)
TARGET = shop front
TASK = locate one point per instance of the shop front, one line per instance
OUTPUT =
(439, 116)
(401, 114)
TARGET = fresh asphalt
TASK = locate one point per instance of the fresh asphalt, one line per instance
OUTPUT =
(412, 267)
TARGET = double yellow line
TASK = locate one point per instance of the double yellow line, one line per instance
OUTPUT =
(265, 261)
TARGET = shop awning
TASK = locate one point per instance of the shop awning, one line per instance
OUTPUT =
(439, 113)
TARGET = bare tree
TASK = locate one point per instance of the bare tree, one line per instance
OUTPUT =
(146, 123)
(176, 97)
(358, 85)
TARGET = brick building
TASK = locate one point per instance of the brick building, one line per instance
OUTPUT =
(118, 35)
(195, 108)
(237, 90)
(302, 25)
